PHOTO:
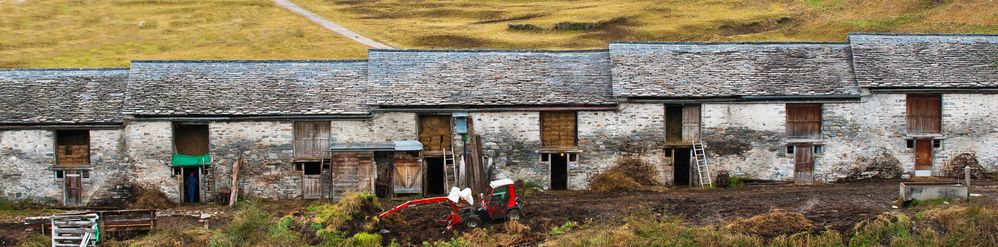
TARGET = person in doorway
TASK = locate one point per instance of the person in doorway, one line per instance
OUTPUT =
(192, 192)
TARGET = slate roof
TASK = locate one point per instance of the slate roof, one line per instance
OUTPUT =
(925, 60)
(62, 96)
(246, 88)
(489, 77)
(731, 69)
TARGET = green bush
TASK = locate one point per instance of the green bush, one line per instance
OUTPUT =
(246, 227)
(562, 229)
(363, 239)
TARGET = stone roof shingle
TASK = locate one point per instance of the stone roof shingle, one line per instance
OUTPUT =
(731, 69)
(62, 96)
(925, 60)
(489, 77)
(246, 88)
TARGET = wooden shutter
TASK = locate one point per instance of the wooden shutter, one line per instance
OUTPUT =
(804, 121)
(72, 148)
(311, 139)
(408, 176)
(434, 132)
(558, 129)
(691, 124)
(924, 113)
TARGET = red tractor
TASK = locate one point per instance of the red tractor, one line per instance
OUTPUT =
(502, 203)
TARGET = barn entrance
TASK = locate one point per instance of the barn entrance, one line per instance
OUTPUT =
(191, 184)
(434, 175)
(681, 166)
(559, 172)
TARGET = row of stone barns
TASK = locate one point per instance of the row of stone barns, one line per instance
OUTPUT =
(422, 121)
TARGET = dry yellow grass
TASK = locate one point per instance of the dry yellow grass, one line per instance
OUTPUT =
(484, 24)
(110, 33)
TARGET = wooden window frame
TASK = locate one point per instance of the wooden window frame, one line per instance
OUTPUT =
(927, 120)
(800, 125)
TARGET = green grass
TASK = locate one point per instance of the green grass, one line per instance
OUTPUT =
(485, 24)
(111, 33)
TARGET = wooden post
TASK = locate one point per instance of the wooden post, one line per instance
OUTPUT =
(234, 194)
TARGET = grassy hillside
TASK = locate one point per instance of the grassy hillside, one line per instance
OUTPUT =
(561, 24)
(110, 33)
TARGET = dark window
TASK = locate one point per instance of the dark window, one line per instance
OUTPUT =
(545, 157)
(86, 173)
(558, 129)
(790, 149)
(668, 152)
(299, 166)
(937, 143)
(190, 139)
(924, 113)
(58, 174)
(325, 166)
(72, 147)
(909, 143)
(573, 157)
(312, 168)
(804, 121)
(818, 149)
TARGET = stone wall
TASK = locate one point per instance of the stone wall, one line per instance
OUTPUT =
(512, 139)
(27, 160)
(970, 125)
(747, 140)
(383, 127)
(634, 130)
(149, 149)
(267, 150)
(28, 157)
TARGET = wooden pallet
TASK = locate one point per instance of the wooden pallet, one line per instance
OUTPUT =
(74, 230)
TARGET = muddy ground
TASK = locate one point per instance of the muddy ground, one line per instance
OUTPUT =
(833, 206)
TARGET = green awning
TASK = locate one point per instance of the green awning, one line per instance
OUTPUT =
(190, 160)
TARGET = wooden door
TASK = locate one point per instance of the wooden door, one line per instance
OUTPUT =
(312, 180)
(923, 154)
(924, 113)
(803, 161)
(73, 185)
(691, 124)
(407, 176)
(311, 139)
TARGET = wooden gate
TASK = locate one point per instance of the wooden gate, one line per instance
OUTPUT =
(923, 154)
(73, 185)
(691, 124)
(408, 176)
(804, 162)
(312, 186)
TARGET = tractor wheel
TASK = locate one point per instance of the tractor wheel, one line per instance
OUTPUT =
(471, 221)
(513, 215)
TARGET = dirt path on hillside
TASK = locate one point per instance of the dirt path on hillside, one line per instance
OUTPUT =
(336, 28)
(835, 206)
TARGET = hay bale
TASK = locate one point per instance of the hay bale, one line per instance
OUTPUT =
(771, 224)
(614, 181)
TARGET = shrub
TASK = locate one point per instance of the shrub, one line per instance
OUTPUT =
(363, 239)
(246, 228)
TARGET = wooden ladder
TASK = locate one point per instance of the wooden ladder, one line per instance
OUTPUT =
(74, 230)
(450, 170)
(701, 167)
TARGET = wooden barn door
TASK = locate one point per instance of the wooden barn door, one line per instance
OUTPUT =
(312, 180)
(803, 161)
(923, 155)
(73, 185)
(407, 176)
(691, 124)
